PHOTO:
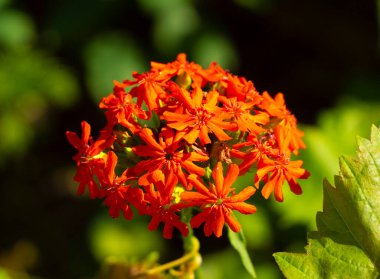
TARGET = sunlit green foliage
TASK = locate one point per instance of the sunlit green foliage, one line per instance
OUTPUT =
(122, 240)
(101, 41)
(32, 83)
(115, 60)
(347, 242)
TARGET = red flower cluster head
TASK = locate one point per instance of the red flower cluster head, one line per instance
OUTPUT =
(178, 136)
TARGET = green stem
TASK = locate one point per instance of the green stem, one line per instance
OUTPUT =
(186, 214)
(188, 241)
(184, 259)
(189, 263)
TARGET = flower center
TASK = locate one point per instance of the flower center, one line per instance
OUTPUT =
(202, 115)
(168, 156)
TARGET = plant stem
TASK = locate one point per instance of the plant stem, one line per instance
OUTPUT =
(187, 240)
(184, 259)
(189, 263)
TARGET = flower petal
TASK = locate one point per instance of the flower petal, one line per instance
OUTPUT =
(193, 179)
(198, 219)
(74, 140)
(243, 195)
(217, 175)
(242, 207)
(232, 222)
(232, 174)
(219, 133)
(219, 221)
(86, 130)
(192, 168)
(147, 136)
(192, 136)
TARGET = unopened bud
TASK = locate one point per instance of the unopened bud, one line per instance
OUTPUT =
(183, 80)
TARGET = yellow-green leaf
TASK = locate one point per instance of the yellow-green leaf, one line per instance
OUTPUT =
(347, 243)
(237, 241)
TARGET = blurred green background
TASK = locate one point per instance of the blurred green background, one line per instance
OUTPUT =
(58, 58)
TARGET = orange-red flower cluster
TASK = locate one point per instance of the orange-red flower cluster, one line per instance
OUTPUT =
(178, 136)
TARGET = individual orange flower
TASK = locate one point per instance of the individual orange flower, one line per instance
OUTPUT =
(276, 107)
(275, 172)
(87, 148)
(240, 88)
(254, 148)
(279, 165)
(88, 157)
(200, 118)
(271, 153)
(218, 201)
(121, 109)
(250, 156)
(172, 101)
(115, 188)
(168, 155)
(241, 113)
(149, 89)
(295, 141)
(162, 209)
(182, 67)
(216, 74)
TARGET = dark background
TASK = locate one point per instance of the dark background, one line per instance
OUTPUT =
(57, 58)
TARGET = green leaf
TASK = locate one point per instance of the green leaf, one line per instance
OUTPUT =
(237, 241)
(4, 274)
(16, 29)
(356, 199)
(326, 259)
(347, 243)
